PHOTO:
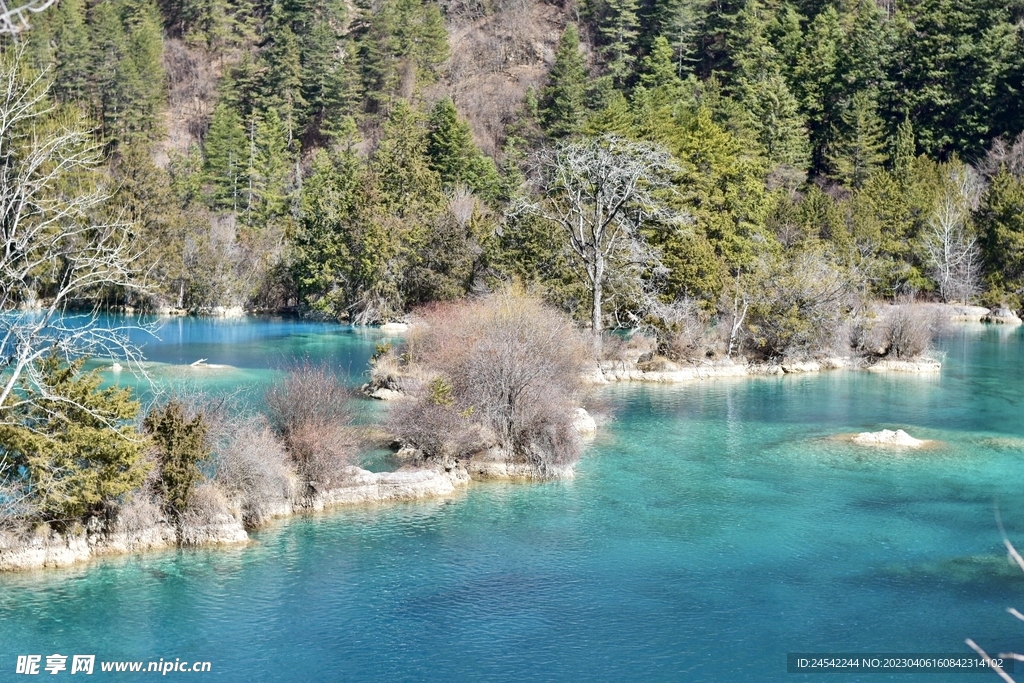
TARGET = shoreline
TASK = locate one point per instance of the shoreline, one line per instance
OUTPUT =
(611, 372)
(43, 548)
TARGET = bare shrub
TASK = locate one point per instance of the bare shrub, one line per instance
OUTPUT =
(626, 348)
(437, 429)
(312, 411)
(687, 332)
(506, 363)
(206, 505)
(252, 463)
(140, 512)
(16, 503)
(797, 306)
(904, 332)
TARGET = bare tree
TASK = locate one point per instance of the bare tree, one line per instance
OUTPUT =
(601, 192)
(950, 245)
(57, 249)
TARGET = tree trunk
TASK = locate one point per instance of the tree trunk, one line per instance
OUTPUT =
(596, 326)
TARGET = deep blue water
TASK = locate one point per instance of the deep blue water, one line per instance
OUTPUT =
(712, 528)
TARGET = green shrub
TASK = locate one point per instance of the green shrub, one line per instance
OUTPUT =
(74, 447)
(182, 446)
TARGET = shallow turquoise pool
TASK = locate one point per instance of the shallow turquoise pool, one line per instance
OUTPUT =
(712, 529)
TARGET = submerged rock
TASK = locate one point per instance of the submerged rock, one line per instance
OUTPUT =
(887, 437)
(801, 366)
(919, 365)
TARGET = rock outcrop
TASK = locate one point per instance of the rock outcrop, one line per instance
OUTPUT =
(886, 437)
(362, 487)
(620, 371)
(920, 365)
(221, 529)
(583, 423)
(394, 328)
(45, 548)
(382, 393)
(1003, 316)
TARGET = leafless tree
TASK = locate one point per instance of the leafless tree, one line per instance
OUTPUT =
(950, 245)
(57, 250)
(601, 192)
(16, 503)
(1003, 155)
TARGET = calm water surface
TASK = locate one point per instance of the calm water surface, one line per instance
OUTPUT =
(712, 528)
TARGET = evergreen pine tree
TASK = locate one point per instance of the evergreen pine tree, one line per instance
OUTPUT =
(454, 155)
(562, 99)
(72, 68)
(182, 447)
(682, 23)
(270, 172)
(226, 152)
(404, 43)
(407, 184)
(1001, 222)
(78, 446)
(819, 84)
(323, 265)
(658, 69)
(282, 73)
(858, 149)
(127, 75)
(619, 28)
(776, 121)
(904, 149)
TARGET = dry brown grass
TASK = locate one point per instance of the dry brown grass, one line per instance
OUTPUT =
(206, 505)
(142, 511)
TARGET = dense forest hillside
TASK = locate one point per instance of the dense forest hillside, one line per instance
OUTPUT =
(355, 160)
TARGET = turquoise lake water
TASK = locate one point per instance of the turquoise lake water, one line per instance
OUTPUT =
(712, 529)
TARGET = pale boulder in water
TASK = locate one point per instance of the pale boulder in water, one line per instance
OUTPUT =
(888, 437)
(584, 423)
